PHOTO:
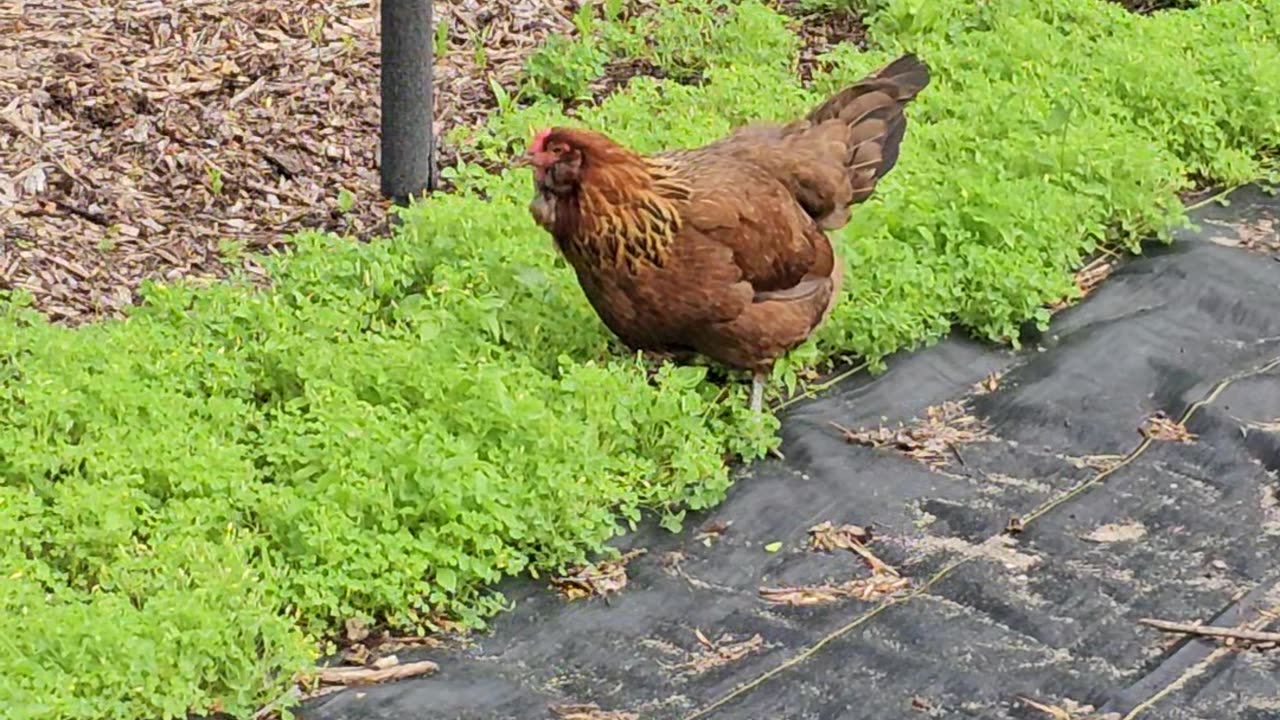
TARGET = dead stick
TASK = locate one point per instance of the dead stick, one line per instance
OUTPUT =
(1213, 631)
(356, 675)
(875, 563)
(245, 93)
(96, 218)
(278, 192)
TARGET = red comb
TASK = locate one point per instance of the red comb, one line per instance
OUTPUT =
(539, 139)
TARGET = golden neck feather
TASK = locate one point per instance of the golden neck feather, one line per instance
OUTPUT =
(631, 214)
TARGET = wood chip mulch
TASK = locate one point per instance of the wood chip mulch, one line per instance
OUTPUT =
(820, 32)
(488, 43)
(137, 137)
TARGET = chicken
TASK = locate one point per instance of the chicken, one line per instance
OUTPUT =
(721, 250)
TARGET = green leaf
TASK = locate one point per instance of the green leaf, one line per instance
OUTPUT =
(447, 579)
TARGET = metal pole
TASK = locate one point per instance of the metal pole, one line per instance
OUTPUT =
(407, 143)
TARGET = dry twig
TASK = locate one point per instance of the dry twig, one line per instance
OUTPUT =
(1088, 278)
(713, 531)
(723, 651)
(1267, 426)
(864, 589)
(1052, 711)
(604, 578)
(590, 711)
(1097, 463)
(358, 675)
(988, 384)
(1245, 635)
(933, 440)
(1259, 235)
(824, 537)
(1162, 427)
(1072, 711)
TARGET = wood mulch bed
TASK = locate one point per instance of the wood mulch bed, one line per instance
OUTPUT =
(139, 136)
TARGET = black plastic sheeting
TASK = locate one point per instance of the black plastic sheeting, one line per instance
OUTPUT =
(1115, 528)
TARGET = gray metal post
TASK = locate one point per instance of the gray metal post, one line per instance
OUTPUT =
(408, 152)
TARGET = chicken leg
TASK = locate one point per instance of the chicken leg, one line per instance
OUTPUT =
(757, 391)
(758, 380)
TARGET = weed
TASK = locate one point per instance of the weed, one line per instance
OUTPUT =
(564, 69)
(315, 30)
(230, 251)
(440, 39)
(612, 10)
(195, 497)
(481, 57)
(213, 175)
(346, 200)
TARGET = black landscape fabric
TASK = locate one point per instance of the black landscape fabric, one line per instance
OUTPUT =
(1121, 466)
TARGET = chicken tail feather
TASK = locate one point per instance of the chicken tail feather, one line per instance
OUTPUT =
(896, 83)
(854, 139)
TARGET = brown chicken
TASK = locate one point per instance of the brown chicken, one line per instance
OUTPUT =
(721, 250)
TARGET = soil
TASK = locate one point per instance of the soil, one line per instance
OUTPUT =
(1146, 7)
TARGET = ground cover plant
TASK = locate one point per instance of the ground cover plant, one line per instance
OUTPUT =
(195, 498)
